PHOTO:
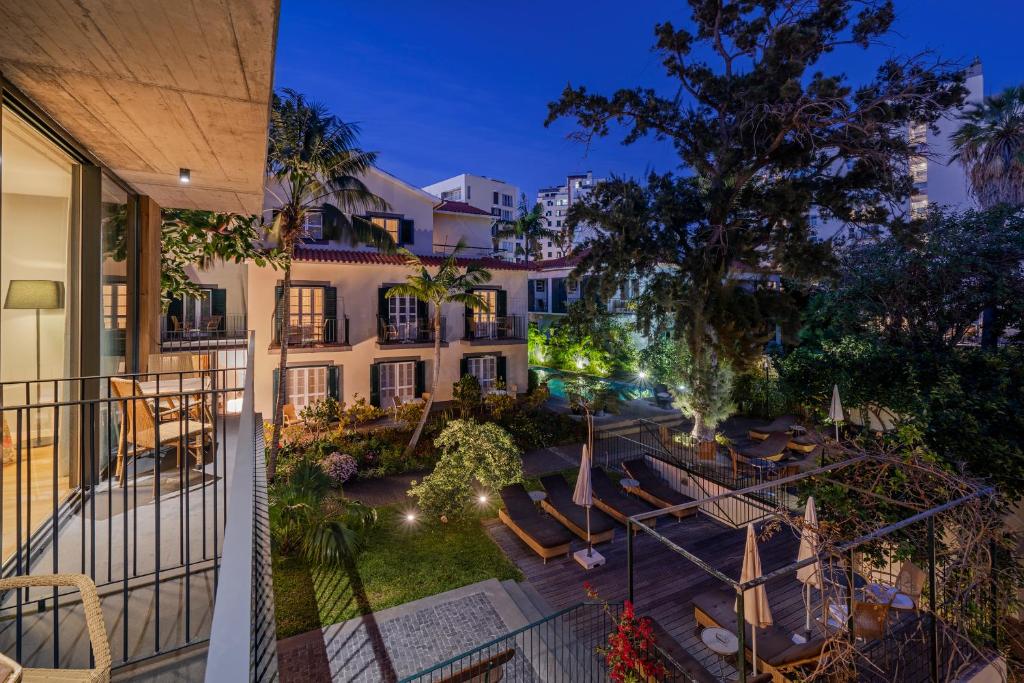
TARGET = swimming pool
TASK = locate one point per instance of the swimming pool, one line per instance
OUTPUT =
(556, 384)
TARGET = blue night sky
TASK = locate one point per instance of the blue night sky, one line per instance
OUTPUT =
(453, 86)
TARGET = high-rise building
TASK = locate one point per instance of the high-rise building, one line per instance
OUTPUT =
(556, 201)
(498, 198)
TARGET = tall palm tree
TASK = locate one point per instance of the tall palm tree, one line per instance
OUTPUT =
(529, 226)
(314, 164)
(990, 145)
(450, 284)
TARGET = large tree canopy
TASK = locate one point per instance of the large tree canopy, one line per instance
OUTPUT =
(763, 133)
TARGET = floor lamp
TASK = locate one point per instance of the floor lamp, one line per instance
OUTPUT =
(38, 295)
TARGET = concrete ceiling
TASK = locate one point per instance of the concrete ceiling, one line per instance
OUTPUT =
(150, 87)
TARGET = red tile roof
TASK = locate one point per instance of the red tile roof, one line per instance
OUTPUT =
(568, 261)
(459, 207)
(309, 255)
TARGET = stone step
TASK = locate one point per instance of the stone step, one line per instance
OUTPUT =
(535, 598)
(521, 600)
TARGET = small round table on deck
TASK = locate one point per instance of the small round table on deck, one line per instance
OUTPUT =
(628, 483)
(537, 496)
(720, 641)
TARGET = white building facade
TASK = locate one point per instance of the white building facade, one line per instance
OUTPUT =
(347, 339)
(556, 201)
(496, 197)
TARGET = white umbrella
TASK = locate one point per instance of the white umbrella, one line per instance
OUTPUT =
(809, 575)
(835, 411)
(755, 600)
(584, 493)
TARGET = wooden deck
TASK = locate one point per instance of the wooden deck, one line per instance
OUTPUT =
(664, 582)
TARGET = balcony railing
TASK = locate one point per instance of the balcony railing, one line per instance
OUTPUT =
(219, 328)
(496, 327)
(329, 332)
(125, 479)
(419, 331)
(619, 305)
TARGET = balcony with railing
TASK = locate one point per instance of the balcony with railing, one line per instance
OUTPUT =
(314, 333)
(496, 328)
(137, 483)
(417, 331)
(215, 331)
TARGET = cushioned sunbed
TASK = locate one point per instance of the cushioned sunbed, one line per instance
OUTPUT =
(610, 498)
(654, 490)
(559, 505)
(780, 424)
(544, 535)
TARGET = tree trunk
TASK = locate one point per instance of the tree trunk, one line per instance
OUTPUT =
(282, 381)
(433, 385)
(699, 431)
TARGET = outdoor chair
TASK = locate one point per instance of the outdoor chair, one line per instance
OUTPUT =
(771, 449)
(97, 630)
(144, 433)
(870, 619)
(559, 504)
(611, 499)
(10, 670)
(655, 490)
(213, 324)
(783, 423)
(176, 324)
(288, 415)
(686, 663)
(543, 535)
(909, 582)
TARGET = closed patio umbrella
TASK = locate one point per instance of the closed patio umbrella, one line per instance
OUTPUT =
(835, 410)
(809, 575)
(584, 492)
(755, 600)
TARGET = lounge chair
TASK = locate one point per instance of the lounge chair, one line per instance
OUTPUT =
(654, 490)
(776, 651)
(780, 424)
(612, 500)
(662, 396)
(559, 505)
(689, 665)
(771, 449)
(545, 536)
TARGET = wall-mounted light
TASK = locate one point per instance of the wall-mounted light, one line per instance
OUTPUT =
(184, 176)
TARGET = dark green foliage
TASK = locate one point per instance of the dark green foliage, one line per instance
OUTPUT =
(467, 396)
(587, 339)
(532, 381)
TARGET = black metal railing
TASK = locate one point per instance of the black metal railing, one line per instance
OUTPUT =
(223, 327)
(496, 327)
(123, 479)
(321, 332)
(418, 331)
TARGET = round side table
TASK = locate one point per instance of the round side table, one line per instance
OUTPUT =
(720, 641)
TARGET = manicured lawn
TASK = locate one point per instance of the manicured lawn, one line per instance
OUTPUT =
(400, 562)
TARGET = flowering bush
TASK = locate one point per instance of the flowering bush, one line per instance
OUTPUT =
(339, 467)
(631, 654)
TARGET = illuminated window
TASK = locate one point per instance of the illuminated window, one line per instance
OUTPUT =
(115, 306)
(307, 308)
(389, 224)
(485, 369)
(313, 226)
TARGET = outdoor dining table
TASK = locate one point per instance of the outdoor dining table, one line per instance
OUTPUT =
(174, 385)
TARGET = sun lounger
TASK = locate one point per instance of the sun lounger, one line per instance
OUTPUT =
(544, 535)
(611, 499)
(687, 663)
(559, 505)
(771, 449)
(780, 424)
(654, 490)
(776, 651)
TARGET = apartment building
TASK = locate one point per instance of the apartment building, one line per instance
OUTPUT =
(556, 201)
(551, 291)
(347, 339)
(496, 197)
(938, 178)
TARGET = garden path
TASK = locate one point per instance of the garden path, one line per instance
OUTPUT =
(384, 491)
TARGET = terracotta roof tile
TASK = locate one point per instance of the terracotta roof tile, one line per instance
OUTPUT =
(450, 206)
(308, 255)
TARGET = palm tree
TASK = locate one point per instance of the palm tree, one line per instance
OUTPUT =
(314, 165)
(529, 226)
(990, 144)
(448, 285)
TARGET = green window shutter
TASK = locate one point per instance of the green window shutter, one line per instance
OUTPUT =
(502, 367)
(375, 385)
(382, 304)
(463, 367)
(175, 309)
(421, 377)
(331, 223)
(334, 382)
(502, 303)
(219, 306)
(469, 322)
(422, 316)
(330, 315)
(531, 289)
(277, 385)
(406, 232)
(278, 312)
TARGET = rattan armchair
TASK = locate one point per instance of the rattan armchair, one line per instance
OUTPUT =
(100, 672)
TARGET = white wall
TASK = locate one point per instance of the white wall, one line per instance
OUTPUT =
(449, 228)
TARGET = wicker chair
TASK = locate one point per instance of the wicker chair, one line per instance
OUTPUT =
(100, 672)
(140, 427)
(10, 670)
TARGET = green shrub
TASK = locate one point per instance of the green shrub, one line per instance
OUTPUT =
(467, 396)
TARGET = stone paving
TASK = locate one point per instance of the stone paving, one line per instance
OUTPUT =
(417, 636)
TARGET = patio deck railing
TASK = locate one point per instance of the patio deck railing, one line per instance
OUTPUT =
(84, 494)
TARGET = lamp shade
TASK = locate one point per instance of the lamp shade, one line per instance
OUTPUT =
(35, 294)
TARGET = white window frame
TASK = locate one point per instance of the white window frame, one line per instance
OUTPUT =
(392, 224)
(397, 379)
(307, 384)
(403, 313)
(540, 287)
(485, 369)
(485, 323)
(307, 308)
(313, 226)
(115, 305)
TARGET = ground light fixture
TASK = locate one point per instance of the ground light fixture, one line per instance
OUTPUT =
(184, 176)
(410, 517)
(482, 498)
(642, 374)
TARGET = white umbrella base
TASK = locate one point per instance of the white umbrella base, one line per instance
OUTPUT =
(594, 559)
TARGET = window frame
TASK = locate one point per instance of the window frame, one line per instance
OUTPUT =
(480, 367)
(305, 371)
(391, 381)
